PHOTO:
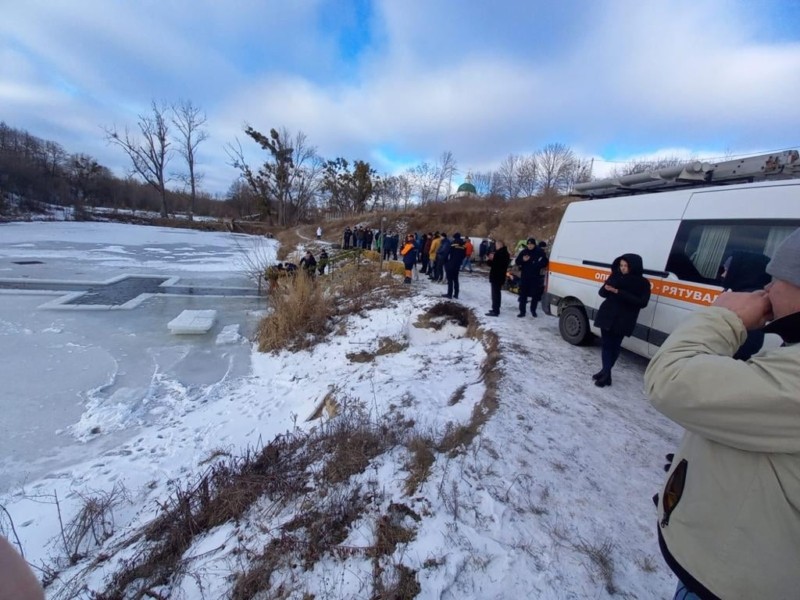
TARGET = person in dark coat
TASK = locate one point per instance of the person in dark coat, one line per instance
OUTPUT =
(626, 292)
(422, 255)
(309, 263)
(347, 235)
(483, 250)
(747, 272)
(531, 262)
(452, 264)
(323, 261)
(441, 258)
(498, 262)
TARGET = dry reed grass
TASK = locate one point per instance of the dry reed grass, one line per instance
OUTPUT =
(300, 315)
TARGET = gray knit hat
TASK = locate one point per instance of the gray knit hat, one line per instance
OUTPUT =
(785, 263)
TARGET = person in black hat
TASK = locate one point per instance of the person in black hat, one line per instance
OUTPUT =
(531, 262)
(452, 265)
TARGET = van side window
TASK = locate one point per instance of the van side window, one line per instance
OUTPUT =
(702, 247)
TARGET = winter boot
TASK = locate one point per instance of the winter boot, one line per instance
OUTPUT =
(604, 380)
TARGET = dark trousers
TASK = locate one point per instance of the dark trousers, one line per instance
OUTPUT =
(452, 283)
(438, 269)
(611, 344)
(425, 261)
(532, 290)
(497, 287)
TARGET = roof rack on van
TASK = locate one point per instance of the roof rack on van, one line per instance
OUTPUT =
(781, 165)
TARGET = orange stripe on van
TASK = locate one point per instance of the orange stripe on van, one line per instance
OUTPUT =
(677, 290)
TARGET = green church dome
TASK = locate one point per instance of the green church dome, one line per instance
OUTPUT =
(467, 188)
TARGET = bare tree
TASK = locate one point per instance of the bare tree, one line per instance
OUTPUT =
(83, 172)
(487, 183)
(242, 198)
(424, 177)
(151, 155)
(289, 181)
(643, 166)
(405, 190)
(55, 157)
(508, 176)
(581, 172)
(445, 169)
(555, 164)
(189, 121)
(527, 175)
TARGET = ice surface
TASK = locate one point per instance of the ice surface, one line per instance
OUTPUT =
(192, 322)
(78, 382)
(229, 335)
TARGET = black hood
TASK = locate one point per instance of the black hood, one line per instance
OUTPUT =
(746, 272)
(635, 266)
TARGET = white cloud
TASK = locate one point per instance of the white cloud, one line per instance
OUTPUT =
(610, 79)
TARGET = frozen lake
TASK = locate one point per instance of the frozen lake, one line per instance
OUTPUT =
(123, 363)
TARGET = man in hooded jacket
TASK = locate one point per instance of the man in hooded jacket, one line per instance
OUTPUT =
(729, 512)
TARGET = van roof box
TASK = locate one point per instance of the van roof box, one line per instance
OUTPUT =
(780, 165)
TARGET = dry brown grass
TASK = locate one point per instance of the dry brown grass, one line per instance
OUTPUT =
(289, 240)
(457, 396)
(306, 310)
(457, 438)
(421, 458)
(221, 494)
(92, 525)
(300, 315)
(386, 346)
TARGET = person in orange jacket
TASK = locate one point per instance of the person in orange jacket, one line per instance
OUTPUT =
(468, 247)
(409, 254)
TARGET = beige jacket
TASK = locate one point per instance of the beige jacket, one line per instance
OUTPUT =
(735, 524)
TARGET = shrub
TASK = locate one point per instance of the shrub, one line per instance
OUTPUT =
(300, 315)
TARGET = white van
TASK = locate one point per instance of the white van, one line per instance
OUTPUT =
(683, 237)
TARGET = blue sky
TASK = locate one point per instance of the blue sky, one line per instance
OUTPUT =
(397, 82)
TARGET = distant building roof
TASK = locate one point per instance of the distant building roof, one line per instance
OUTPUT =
(466, 188)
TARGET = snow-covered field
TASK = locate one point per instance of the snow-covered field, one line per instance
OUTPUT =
(551, 500)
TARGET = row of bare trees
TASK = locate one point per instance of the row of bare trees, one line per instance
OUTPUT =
(150, 151)
(554, 169)
(38, 172)
(293, 182)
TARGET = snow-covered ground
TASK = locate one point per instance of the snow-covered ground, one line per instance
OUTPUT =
(551, 500)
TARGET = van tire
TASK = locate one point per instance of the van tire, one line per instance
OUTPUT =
(573, 325)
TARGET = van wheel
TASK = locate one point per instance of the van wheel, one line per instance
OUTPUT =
(574, 326)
